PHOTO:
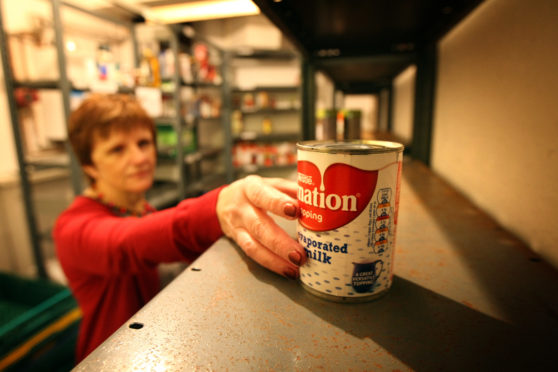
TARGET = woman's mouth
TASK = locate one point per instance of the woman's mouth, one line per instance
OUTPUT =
(143, 173)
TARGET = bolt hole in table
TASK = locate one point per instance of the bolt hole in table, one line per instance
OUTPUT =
(466, 296)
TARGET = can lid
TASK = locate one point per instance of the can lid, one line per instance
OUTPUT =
(351, 147)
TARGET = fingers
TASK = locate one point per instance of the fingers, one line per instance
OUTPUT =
(263, 229)
(242, 211)
(285, 186)
(265, 257)
(273, 195)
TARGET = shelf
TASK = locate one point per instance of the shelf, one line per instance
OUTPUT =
(190, 120)
(168, 93)
(277, 88)
(209, 118)
(259, 137)
(166, 153)
(48, 160)
(55, 84)
(203, 153)
(191, 157)
(252, 168)
(190, 84)
(268, 111)
(367, 45)
(201, 85)
(164, 120)
(264, 54)
(126, 90)
(39, 84)
(457, 303)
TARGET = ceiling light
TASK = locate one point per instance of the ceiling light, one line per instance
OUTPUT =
(201, 10)
(70, 46)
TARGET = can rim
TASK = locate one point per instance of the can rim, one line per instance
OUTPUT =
(351, 146)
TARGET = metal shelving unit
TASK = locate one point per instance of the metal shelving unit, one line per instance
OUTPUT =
(30, 165)
(365, 49)
(184, 165)
(186, 179)
(277, 137)
(283, 103)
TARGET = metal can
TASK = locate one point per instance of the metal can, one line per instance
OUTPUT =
(351, 125)
(329, 124)
(348, 194)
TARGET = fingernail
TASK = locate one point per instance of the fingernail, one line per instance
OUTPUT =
(291, 273)
(290, 210)
(295, 257)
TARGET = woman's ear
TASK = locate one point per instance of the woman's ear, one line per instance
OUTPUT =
(91, 171)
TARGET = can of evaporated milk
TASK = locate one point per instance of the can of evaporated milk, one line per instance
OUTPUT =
(348, 194)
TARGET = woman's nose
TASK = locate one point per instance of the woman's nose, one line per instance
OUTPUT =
(137, 154)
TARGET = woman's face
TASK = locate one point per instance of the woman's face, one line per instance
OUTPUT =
(124, 161)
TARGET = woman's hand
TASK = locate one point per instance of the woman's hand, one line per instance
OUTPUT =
(242, 211)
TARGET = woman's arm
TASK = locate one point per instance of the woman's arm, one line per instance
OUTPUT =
(92, 240)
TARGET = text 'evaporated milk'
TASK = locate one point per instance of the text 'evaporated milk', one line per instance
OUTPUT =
(348, 194)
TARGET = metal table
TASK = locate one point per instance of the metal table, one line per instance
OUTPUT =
(467, 295)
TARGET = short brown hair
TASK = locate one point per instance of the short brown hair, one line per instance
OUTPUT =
(98, 115)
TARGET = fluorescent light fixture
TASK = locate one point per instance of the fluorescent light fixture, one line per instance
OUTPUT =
(201, 10)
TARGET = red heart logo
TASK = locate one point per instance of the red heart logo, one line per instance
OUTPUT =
(345, 192)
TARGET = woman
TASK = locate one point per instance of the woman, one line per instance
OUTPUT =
(110, 240)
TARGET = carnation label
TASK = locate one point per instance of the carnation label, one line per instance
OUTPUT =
(348, 194)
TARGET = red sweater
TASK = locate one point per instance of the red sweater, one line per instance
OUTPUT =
(111, 262)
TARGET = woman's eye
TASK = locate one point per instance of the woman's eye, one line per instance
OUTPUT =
(145, 143)
(117, 149)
